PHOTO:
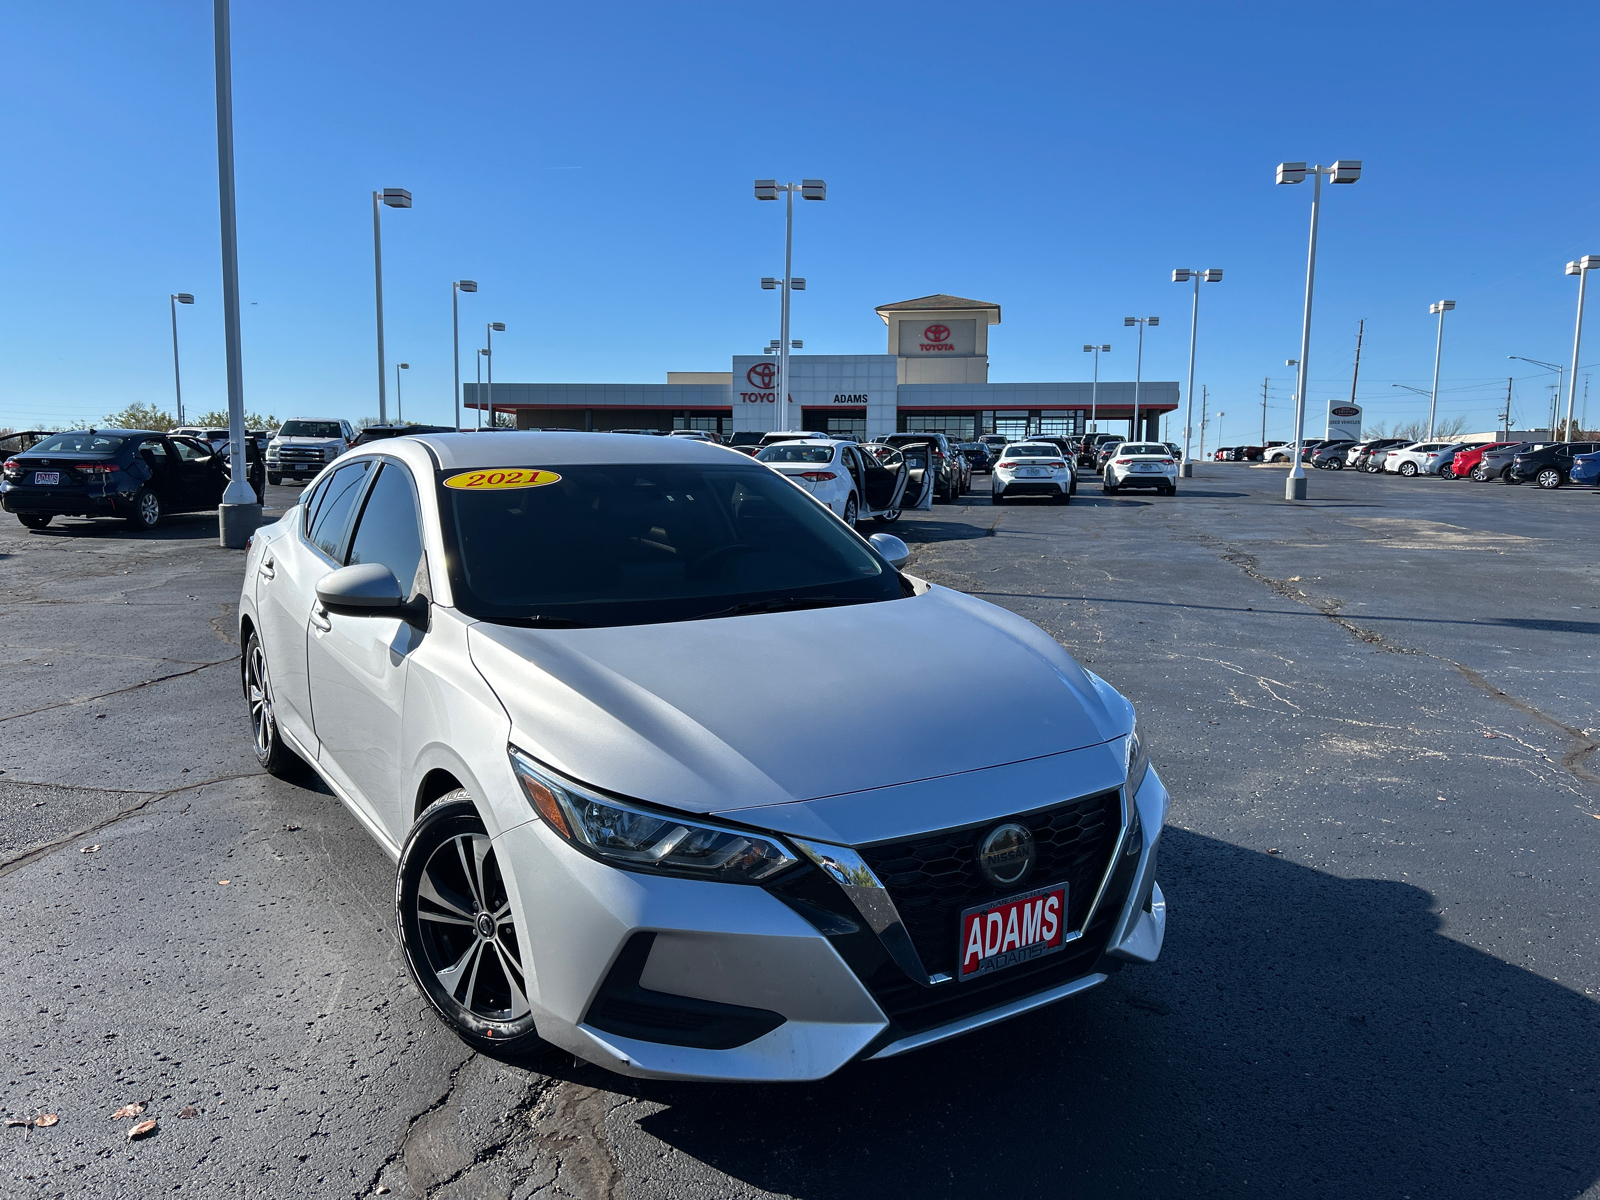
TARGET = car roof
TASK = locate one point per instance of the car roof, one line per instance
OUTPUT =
(464, 451)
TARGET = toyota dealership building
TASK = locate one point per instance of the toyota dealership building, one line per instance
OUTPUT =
(934, 377)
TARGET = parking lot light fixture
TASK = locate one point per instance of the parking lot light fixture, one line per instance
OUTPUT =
(1138, 370)
(769, 189)
(1440, 308)
(1184, 275)
(1345, 170)
(399, 402)
(1560, 371)
(456, 288)
(387, 198)
(177, 298)
(1581, 268)
(1094, 390)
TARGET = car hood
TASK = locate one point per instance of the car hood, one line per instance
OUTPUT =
(773, 708)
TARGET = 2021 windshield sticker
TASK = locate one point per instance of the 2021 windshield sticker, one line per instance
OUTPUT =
(501, 477)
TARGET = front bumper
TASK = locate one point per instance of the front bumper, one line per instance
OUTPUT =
(826, 985)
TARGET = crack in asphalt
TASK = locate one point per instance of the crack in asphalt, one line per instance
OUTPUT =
(411, 1125)
(132, 687)
(1583, 744)
(21, 860)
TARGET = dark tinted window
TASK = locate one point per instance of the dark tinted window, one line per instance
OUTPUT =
(313, 429)
(154, 452)
(79, 443)
(637, 543)
(189, 451)
(337, 498)
(388, 532)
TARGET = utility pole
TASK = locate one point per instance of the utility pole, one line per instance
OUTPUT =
(1361, 330)
(1203, 397)
(1505, 417)
(1264, 381)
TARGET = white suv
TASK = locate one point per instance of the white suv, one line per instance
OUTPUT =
(303, 446)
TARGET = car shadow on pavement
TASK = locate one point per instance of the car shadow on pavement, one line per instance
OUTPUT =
(178, 527)
(1302, 1035)
(914, 532)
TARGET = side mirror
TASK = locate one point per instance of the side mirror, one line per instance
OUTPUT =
(892, 548)
(362, 590)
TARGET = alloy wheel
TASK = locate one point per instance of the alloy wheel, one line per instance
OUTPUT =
(1549, 478)
(850, 512)
(469, 940)
(1408, 469)
(263, 721)
(149, 509)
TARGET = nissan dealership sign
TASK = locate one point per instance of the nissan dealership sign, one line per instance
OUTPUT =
(1344, 420)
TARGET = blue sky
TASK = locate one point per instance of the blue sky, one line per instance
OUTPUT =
(590, 166)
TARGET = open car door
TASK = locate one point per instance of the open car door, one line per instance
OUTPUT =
(884, 481)
(920, 475)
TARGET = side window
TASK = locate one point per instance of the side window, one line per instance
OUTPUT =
(339, 496)
(388, 531)
(188, 451)
(154, 453)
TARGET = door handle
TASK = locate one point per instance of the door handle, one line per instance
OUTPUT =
(319, 619)
(266, 568)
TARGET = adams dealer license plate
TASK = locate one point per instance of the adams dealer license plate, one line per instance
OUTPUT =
(1015, 930)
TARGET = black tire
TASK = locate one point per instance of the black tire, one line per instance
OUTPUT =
(851, 511)
(1105, 483)
(146, 511)
(1408, 469)
(271, 752)
(471, 964)
(1336, 464)
(34, 520)
(273, 480)
(1172, 489)
(1072, 488)
(997, 498)
(1548, 478)
(1063, 498)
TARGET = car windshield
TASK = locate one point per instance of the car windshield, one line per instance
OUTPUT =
(642, 543)
(1031, 450)
(317, 429)
(78, 443)
(796, 454)
(1139, 449)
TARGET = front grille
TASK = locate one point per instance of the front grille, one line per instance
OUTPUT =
(933, 878)
(299, 454)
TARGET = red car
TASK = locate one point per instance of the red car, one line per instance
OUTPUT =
(1461, 465)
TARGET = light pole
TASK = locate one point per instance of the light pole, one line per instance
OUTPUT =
(1442, 307)
(1138, 370)
(1581, 268)
(394, 198)
(768, 189)
(176, 299)
(491, 328)
(1345, 170)
(1560, 371)
(1094, 391)
(240, 510)
(780, 411)
(477, 395)
(1220, 415)
(1183, 275)
(399, 401)
(456, 288)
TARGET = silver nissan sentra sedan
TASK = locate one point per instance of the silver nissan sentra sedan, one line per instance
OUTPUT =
(667, 757)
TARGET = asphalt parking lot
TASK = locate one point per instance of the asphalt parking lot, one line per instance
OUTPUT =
(1375, 711)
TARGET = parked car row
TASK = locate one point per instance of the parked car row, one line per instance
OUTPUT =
(1547, 464)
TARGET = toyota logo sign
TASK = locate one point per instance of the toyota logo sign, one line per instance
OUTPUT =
(937, 333)
(763, 375)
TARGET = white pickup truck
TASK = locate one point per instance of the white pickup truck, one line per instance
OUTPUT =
(303, 446)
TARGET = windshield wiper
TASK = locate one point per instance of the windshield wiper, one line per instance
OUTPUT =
(540, 621)
(782, 604)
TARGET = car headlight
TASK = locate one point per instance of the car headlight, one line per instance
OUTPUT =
(640, 839)
(1138, 758)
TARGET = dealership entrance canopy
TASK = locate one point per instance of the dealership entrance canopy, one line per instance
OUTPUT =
(933, 378)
